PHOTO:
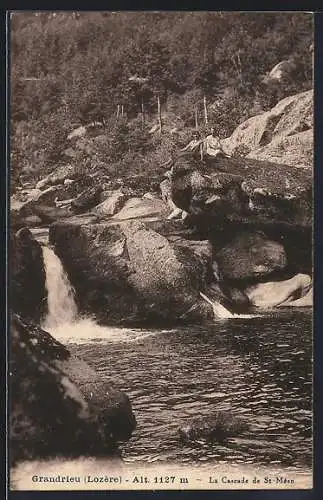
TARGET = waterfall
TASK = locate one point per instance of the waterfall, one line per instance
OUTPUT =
(62, 309)
(63, 320)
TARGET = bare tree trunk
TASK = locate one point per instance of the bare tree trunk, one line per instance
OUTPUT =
(196, 119)
(142, 113)
(240, 66)
(201, 151)
(118, 110)
(237, 65)
(205, 111)
(122, 110)
(159, 114)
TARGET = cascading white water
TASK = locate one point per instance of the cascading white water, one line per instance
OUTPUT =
(62, 308)
(62, 319)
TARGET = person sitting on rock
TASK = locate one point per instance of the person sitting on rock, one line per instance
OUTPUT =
(193, 145)
(213, 147)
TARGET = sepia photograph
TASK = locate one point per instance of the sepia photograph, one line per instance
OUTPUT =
(160, 250)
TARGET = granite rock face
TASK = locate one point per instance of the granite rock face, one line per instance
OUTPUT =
(283, 134)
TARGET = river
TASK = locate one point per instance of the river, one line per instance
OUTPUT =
(259, 368)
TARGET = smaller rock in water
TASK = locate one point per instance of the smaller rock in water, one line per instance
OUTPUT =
(281, 293)
(305, 301)
(217, 427)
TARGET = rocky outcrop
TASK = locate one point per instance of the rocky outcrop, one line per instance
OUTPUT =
(241, 195)
(59, 405)
(240, 188)
(283, 135)
(23, 203)
(128, 273)
(36, 207)
(49, 214)
(30, 221)
(23, 200)
(27, 275)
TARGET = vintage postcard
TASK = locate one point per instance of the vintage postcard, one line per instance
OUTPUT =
(161, 296)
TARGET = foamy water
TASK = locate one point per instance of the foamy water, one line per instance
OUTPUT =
(85, 331)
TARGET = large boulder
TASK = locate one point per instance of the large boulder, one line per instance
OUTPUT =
(281, 72)
(284, 134)
(126, 272)
(52, 412)
(211, 193)
(239, 194)
(27, 275)
(112, 405)
(142, 209)
(49, 214)
(250, 255)
(112, 204)
(240, 189)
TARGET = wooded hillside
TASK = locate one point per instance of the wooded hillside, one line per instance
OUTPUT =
(69, 68)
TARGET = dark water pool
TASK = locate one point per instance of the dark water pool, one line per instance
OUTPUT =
(259, 368)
